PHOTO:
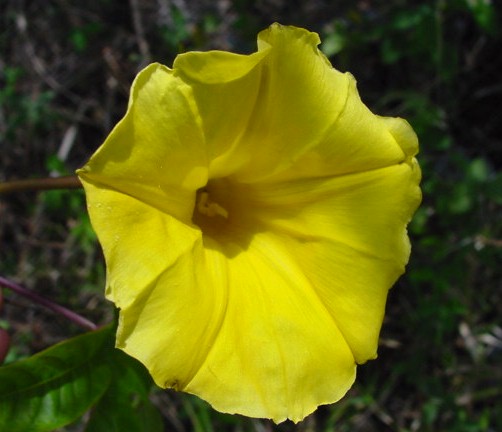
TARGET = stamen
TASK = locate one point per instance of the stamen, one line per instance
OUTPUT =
(209, 208)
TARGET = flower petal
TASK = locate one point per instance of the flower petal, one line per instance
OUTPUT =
(226, 87)
(170, 311)
(260, 104)
(172, 323)
(156, 152)
(139, 242)
(278, 353)
(352, 257)
(358, 141)
(301, 97)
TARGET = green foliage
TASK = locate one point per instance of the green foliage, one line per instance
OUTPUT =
(125, 406)
(484, 13)
(21, 111)
(55, 387)
(177, 34)
(80, 36)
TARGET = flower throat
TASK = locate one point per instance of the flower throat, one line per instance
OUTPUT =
(211, 211)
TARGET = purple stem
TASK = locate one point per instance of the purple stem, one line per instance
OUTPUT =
(67, 313)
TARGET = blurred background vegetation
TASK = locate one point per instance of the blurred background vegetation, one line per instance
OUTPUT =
(65, 71)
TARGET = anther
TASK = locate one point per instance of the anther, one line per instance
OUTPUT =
(209, 208)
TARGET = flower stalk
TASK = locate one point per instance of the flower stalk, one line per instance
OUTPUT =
(66, 182)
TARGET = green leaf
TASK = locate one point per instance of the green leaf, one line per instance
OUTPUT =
(494, 189)
(333, 43)
(478, 170)
(56, 386)
(125, 406)
(460, 199)
(484, 14)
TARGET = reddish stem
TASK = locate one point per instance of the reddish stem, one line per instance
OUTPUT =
(67, 313)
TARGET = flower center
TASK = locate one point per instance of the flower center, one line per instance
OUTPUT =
(209, 208)
(223, 215)
(212, 211)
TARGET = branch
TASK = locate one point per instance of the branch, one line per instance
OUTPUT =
(68, 182)
(36, 298)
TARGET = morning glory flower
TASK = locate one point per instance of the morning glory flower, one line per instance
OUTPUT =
(252, 212)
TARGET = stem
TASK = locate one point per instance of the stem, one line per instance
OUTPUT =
(67, 313)
(67, 182)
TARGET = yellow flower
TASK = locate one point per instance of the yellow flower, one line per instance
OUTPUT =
(252, 213)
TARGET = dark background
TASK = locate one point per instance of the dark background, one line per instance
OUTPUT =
(65, 72)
